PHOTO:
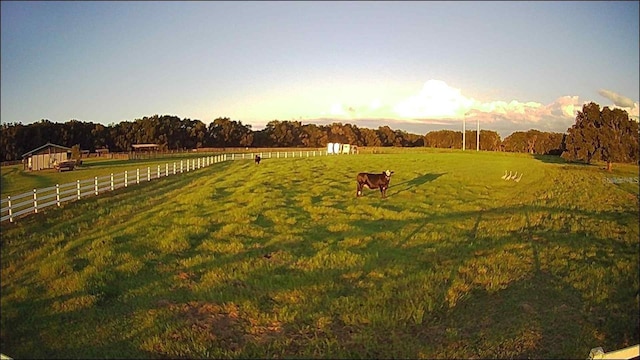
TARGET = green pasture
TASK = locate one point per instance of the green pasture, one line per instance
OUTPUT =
(281, 260)
(14, 180)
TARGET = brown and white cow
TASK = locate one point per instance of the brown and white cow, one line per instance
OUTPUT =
(374, 181)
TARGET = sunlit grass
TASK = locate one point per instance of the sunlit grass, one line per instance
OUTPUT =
(282, 260)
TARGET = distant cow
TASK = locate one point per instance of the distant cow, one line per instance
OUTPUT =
(257, 159)
(374, 181)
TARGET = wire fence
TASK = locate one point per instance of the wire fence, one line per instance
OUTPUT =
(14, 207)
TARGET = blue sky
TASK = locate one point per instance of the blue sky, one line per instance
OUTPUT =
(414, 66)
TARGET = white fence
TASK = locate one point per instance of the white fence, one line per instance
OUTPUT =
(28, 203)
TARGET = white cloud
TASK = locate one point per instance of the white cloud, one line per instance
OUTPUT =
(337, 110)
(438, 104)
(618, 100)
(634, 112)
(375, 104)
(435, 100)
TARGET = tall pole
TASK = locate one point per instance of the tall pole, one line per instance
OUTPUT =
(478, 135)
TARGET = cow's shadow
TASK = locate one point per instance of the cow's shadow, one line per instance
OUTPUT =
(415, 182)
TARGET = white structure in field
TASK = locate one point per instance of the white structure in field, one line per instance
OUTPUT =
(338, 148)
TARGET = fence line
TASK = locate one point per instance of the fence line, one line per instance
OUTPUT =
(31, 202)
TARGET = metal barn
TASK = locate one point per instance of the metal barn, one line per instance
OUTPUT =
(45, 157)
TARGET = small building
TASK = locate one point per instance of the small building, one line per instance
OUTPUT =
(45, 157)
(142, 151)
(102, 152)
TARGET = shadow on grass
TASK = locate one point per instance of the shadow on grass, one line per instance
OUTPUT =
(539, 315)
(413, 183)
(550, 159)
(556, 159)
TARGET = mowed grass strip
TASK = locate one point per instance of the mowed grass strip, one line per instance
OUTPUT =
(282, 260)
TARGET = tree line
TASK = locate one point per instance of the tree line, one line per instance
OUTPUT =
(172, 133)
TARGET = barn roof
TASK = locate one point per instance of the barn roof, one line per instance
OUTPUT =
(44, 147)
(143, 146)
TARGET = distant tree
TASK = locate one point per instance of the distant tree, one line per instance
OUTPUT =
(581, 143)
(370, 137)
(607, 135)
(618, 137)
(412, 140)
(489, 140)
(223, 132)
(516, 142)
(281, 133)
(386, 135)
(534, 142)
(313, 135)
(444, 139)
(75, 152)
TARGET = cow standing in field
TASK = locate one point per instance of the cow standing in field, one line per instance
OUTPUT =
(257, 159)
(374, 181)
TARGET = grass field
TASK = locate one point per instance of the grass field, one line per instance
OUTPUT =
(281, 259)
(15, 181)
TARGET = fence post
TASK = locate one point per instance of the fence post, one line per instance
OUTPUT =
(198, 163)
(78, 189)
(35, 201)
(180, 166)
(125, 178)
(278, 155)
(96, 185)
(58, 194)
(138, 176)
(158, 172)
(111, 181)
(148, 173)
(174, 168)
(166, 169)
(10, 210)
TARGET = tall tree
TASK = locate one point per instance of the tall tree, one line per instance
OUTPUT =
(444, 139)
(606, 134)
(386, 135)
(618, 137)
